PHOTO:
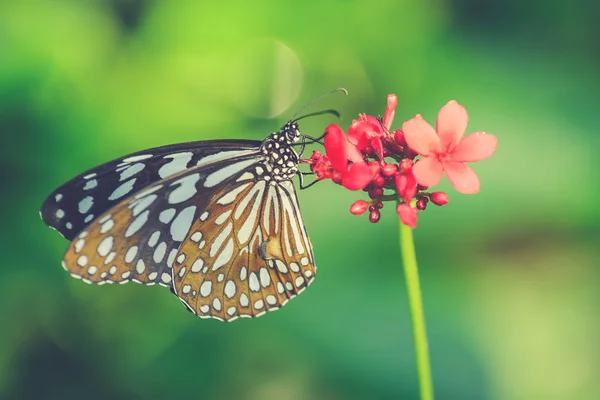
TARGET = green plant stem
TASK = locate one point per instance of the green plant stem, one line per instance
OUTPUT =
(411, 271)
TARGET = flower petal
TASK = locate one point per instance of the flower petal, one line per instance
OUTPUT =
(420, 136)
(377, 146)
(428, 171)
(357, 177)
(406, 185)
(451, 125)
(364, 128)
(407, 214)
(462, 177)
(354, 154)
(390, 110)
(336, 147)
(475, 147)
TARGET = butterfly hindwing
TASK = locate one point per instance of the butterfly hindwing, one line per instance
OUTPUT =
(139, 238)
(74, 205)
(247, 254)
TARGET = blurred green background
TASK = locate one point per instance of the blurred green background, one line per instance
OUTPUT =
(510, 276)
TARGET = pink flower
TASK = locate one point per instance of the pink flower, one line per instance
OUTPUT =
(356, 174)
(446, 150)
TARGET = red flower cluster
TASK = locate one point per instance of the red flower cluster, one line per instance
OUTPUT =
(372, 158)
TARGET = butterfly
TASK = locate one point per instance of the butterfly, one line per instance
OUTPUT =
(218, 222)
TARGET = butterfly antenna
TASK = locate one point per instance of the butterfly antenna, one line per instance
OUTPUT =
(319, 98)
(313, 114)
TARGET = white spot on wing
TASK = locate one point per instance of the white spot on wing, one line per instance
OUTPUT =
(167, 215)
(265, 278)
(159, 253)
(122, 190)
(140, 267)
(131, 171)
(85, 204)
(223, 217)
(197, 265)
(226, 172)
(105, 246)
(253, 282)
(220, 239)
(229, 197)
(219, 156)
(186, 189)
(182, 223)
(244, 300)
(142, 204)
(225, 256)
(92, 183)
(131, 253)
(205, 288)
(178, 163)
(137, 224)
(230, 289)
(137, 158)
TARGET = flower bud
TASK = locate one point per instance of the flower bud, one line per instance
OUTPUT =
(374, 216)
(378, 180)
(406, 165)
(399, 137)
(422, 203)
(439, 198)
(336, 177)
(375, 192)
(359, 207)
(389, 169)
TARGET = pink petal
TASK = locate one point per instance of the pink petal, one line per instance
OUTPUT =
(406, 185)
(377, 145)
(354, 154)
(407, 214)
(336, 147)
(451, 125)
(362, 129)
(357, 177)
(390, 110)
(428, 171)
(475, 147)
(420, 136)
(462, 177)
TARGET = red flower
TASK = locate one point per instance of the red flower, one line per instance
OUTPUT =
(356, 174)
(447, 151)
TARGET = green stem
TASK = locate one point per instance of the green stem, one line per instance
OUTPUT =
(411, 271)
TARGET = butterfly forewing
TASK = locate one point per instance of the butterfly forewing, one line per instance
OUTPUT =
(74, 205)
(248, 253)
(139, 238)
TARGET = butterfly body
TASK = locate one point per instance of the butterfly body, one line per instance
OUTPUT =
(218, 222)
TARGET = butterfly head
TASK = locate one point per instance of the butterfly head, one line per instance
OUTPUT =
(290, 132)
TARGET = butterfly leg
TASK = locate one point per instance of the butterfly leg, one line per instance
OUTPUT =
(301, 179)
